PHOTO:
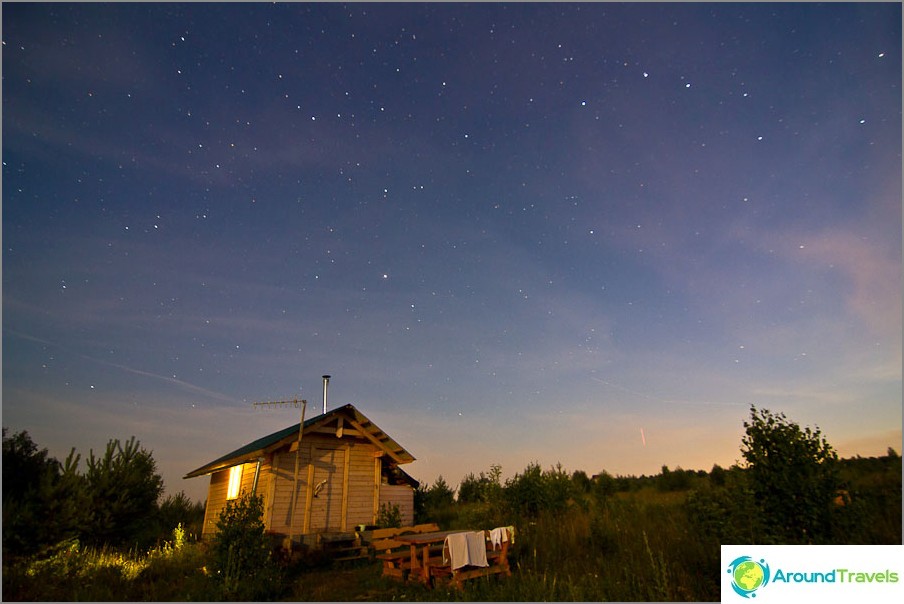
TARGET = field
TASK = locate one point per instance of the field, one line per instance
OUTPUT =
(636, 539)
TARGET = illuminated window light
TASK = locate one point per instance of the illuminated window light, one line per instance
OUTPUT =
(235, 482)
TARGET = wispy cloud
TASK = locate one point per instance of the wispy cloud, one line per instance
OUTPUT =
(172, 381)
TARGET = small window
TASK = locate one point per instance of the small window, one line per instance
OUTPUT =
(235, 482)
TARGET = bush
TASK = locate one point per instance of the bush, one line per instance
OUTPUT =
(240, 553)
(389, 516)
(178, 509)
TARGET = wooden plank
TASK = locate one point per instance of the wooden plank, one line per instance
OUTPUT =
(309, 497)
(271, 490)
(386, 544)
(378, 478)
(375, 441)
(343, 521)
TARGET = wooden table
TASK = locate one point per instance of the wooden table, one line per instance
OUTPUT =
(421, 565)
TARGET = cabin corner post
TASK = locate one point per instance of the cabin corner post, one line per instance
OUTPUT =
(343, 522)
(257, 475)
(309, 497)
(304, 405)
(271, 491)
(377, 480)
(207, 519)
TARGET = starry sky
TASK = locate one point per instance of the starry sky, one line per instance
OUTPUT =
(592, 234)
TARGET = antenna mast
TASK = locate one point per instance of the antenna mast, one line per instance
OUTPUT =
(295, 403)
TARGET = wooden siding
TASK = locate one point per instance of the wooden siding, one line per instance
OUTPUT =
(349, 469)
(282, 477)
(216, 492)
(335, 508)
(401, 495)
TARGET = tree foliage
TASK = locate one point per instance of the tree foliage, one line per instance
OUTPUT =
(115, 502)
(484, 488)
(534, 490)
(240, 552)
(44, 501)
(124, 487)
(792, 475)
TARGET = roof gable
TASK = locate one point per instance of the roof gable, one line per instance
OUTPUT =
(357, 425)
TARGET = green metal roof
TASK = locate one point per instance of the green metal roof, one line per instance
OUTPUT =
(255, 449)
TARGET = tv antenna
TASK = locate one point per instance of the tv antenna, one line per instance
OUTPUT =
(295, 403)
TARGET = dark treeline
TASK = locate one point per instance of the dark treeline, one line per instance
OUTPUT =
(117, 500)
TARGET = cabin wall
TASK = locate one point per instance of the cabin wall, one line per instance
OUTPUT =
(339, 486)
(217, 491)
(344, 472)
(401, 495)
(281, 476)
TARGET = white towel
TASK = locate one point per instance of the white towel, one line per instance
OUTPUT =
(477, 549)
(465, 549)
(497, 536)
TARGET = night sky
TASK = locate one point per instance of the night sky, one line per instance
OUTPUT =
(592, 234)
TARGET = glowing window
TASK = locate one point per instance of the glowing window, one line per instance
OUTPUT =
(235, 482)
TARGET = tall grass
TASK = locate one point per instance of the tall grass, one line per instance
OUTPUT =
(74, 572)
(630, 547)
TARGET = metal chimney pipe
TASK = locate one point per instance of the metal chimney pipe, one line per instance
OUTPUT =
(326, 382)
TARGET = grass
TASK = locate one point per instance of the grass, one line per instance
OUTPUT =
(77, 573)
(630, 549)
(635, 547)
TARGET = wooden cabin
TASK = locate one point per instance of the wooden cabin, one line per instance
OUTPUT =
(346, 468)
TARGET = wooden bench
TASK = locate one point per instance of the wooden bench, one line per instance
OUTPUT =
(395, 555)
(397, 563)
(381, 540)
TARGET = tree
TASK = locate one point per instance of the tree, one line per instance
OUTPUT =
(717, 475)
(535, 490)
(23, 465)
(469, 489)
(603, 486)
(179, 509)
(485, 488)
(44, 502)
(124, 488)
(440, 494)
(792, 475)
(581, 481)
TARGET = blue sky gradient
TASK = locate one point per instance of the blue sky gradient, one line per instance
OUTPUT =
(512, 233)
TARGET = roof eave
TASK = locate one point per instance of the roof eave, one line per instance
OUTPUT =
(287, 435)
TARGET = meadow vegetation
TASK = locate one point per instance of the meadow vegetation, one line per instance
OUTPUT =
(579, 537)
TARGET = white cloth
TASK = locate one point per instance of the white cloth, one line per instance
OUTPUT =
(465, 549)
(497, 536)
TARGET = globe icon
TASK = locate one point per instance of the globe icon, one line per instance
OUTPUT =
(748, 575)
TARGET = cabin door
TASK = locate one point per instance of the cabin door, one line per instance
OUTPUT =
(327, 489)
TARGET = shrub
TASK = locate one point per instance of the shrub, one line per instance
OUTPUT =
(389, 516)
(178, 509)
(240, 554)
